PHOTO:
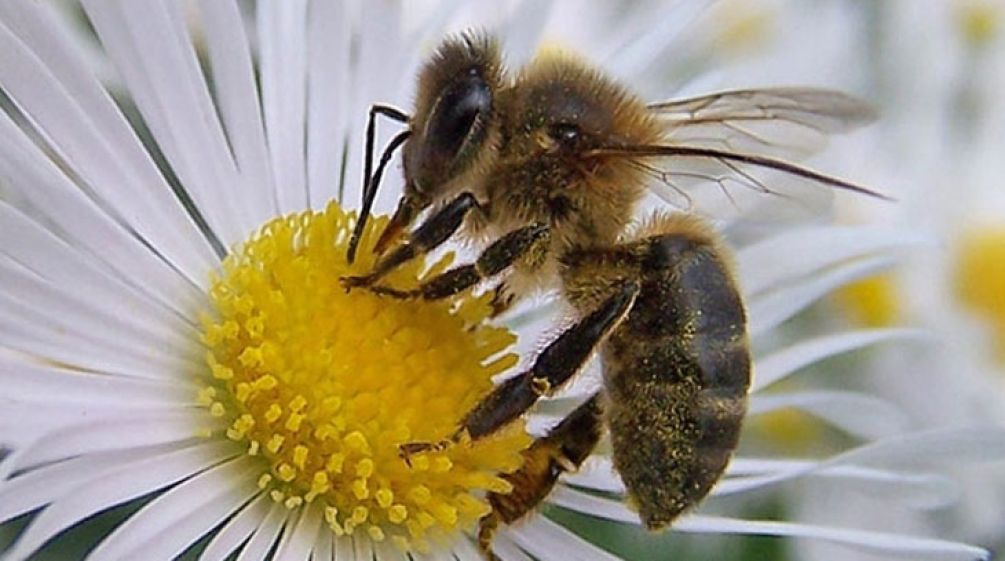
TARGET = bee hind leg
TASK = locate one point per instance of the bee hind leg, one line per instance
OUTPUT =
(487, 527)
(563, 449)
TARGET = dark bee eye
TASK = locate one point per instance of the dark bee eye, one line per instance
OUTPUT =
(456, 114)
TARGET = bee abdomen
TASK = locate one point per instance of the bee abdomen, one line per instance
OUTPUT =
(677, 372)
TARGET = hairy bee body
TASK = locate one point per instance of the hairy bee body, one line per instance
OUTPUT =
(677, 368)
(539, 176)
(546, 169)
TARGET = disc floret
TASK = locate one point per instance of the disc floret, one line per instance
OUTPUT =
(323, 385)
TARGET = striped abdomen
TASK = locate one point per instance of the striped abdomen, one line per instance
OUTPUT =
(676, 371)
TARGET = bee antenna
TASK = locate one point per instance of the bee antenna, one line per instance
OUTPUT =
(371, 182)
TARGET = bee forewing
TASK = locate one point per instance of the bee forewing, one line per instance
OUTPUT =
(781, 122)
(730, 191)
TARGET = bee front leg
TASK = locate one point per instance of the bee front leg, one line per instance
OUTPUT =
(431, 234)
(493, 260)
(557, 363)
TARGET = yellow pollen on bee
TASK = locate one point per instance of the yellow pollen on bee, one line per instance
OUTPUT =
(322, 386)
(979, 279)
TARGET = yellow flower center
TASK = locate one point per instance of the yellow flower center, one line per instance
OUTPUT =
(789, 430)
(872, 301)
(323, 385)
(742, 27)
(978, 20)
(980, 278)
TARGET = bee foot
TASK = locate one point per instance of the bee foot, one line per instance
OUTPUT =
(409, 449)
(351, 282)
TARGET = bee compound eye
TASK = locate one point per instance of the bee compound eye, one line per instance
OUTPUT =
(456, 116)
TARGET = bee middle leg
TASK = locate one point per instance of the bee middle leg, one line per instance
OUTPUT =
(557, 363)
(493, 260)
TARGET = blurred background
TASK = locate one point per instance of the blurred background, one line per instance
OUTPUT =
(936, 72)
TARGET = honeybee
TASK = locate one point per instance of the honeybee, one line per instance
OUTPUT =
(545, 169)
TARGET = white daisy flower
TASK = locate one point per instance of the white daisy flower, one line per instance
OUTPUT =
(173, 335)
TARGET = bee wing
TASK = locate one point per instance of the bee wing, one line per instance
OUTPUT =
(789, 123)
(721, 152)
(713, 181)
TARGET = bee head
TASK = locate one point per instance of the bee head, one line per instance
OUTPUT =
(452, 127)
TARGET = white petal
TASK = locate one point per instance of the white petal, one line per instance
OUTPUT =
(523, 29)
(166, 526)
(29, 332)
(928, 448)
(265, 535)
(651, 44)
(918, 490)
(236, 530)
(799, 252)
(547, 540)
(910, 451)
(344, 550)
(507, 550)
(239, 106)
(438, 555)
(114, 487)
(24, 424)
(924, 491)
(593, 505)
(907, 546)
(362, 546)
(324, 550)
(149, 44)
(40, 383)
(386, 550)
(774, 367)
(282, 59)
(50, 193)
(432, 27)
(45, 75)
(114, 432)
(772, 307)
(38, 487)
(597, 473)
(297, 543)
(57, 262)
(378, 76)
(329, 35)
(35, 315)
(859, 414)
(464, 549)
(533, 310)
